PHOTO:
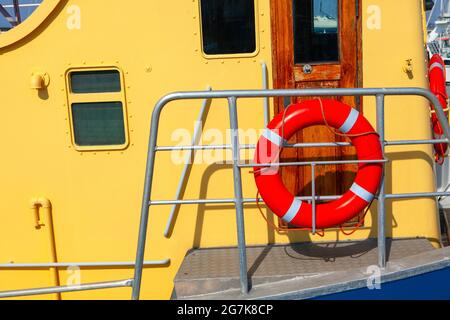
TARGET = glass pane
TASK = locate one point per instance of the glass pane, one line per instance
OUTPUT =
(95, 81)
(19, 14)
(100, 123)
(228, 26)
(316, 31)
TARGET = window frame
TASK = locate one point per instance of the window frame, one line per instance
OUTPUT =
(325, 70)
(339, 40)
(97, 98)
(16, 34)
(230, 55)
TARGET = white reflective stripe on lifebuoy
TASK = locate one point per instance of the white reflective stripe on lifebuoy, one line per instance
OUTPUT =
(361, 192)
(437, 65)
(293, 210)
(273, 137)
(350, 122)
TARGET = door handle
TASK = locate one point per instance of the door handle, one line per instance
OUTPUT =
(307, 69)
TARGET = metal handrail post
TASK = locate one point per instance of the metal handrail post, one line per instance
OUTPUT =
(313, 194)
(145, 207)
(232, 105)
(381, 195)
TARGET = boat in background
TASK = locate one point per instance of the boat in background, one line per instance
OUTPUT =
(438, 42)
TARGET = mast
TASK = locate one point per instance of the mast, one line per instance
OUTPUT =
(445, 8)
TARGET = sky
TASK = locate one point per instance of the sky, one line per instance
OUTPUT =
(26, 9)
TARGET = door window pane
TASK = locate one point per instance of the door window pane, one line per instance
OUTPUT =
(98, 123)
(95, 81)
(228, 26)
(316, 30)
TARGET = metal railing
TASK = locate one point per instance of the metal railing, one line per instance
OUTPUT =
(76, 287)
(238, 200)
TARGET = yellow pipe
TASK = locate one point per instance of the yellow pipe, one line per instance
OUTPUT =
(37, 82)
(36, 205)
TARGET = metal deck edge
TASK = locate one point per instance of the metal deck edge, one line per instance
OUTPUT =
(296, 289)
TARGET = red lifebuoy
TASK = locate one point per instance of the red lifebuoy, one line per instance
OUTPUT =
(308, 113)
(437, 78)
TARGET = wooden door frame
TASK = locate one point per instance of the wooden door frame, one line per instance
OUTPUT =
(284, 76)
(280, 80)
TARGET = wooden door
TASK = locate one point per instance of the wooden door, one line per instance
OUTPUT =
(316, 44)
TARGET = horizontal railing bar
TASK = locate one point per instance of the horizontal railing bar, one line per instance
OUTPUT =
(71, 288)
(411, 142)
(299, 145)
(416, 195)
(348, 144)
(247, 146)
(191, 201)
(317, 144)
(197, 147)
(309, 163)
(303, 198)
(226, 201)
(203, 147)
(223, 94)
(81, 264)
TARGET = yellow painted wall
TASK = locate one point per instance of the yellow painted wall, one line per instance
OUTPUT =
(385, 52)
(96, 195)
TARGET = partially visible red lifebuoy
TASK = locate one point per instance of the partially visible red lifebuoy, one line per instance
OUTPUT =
(308, 113)
(437, 78)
